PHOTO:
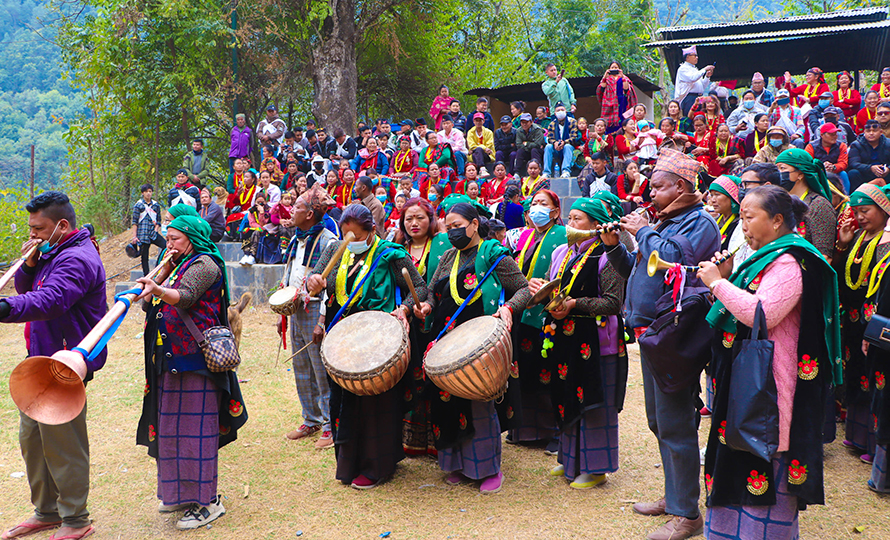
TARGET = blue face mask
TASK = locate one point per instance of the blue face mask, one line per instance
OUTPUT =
(433, 196)
(381, 198)
(359, 247)
(540, 215)
(775, 143)
(48, 246)
(749, 104)
(783, 101)
(824, 103)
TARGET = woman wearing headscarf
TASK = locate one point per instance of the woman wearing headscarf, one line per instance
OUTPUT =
(777, 142)
(367, 430)
(585, 356)
(809, 92)
(724, 198)
(748, 498)
(534, 252)
(858, 255)
(188, 412)
(804, 177)
(468, 433)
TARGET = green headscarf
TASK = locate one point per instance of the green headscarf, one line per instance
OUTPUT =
(599, 207)
(718, 185)
(198, 232)
(183, 209)
(526, 205)
(871, 194)
(813, 170)
(455, 198)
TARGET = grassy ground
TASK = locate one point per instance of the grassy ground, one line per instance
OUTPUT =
(276, 488)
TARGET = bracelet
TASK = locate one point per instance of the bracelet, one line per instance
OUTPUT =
(839, 248)
(161, 296)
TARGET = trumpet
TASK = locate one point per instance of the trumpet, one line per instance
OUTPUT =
(576, 236)
(656, 263)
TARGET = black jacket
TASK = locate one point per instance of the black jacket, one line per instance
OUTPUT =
(611, 179)
(349, 146)
(860, 156)
(504, 142)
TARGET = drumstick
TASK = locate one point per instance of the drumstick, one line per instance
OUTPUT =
(306, 346)
(335, 260)
(18, 264)
(407, 277)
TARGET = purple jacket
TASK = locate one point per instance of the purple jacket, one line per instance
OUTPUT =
(240, 145)
(63, 298)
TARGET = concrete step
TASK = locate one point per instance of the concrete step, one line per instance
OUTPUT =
(231, 251)
(258, 279)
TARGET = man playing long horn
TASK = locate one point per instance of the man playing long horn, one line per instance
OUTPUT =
(61, 293)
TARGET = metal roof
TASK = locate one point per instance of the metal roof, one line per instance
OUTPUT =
(531, 91)
(846, 40)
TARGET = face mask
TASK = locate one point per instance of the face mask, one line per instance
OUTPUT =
(824, 103)
(433, 196)
(359, 247)
(775, 143)
(381, 198)
(458, 237)
(749, 104)
(540, 215)
(785, 180)
(47, 246)
(742, 193)
(560, 115)
(783, 101)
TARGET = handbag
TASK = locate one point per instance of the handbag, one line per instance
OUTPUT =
(752, 415)
(217, 343)
(877, 332)
(677, 344)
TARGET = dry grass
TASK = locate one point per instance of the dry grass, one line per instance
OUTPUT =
(292, 487)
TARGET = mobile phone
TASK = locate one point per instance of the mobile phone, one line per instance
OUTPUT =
(561, 73)
(614, 71)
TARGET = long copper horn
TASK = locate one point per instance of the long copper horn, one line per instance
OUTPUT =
(10, 273)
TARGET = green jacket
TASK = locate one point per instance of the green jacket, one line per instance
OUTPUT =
(556, 92)
(535, 137)
(187, 165)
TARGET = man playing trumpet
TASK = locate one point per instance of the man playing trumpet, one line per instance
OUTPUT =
(61, 293)
(685, 233)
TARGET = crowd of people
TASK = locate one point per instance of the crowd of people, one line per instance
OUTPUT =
(460, 216)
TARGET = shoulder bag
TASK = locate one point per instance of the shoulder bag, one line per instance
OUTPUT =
(217, 343)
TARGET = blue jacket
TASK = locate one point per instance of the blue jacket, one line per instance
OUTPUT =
(689, 238)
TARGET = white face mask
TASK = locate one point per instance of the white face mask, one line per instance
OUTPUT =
(560, 115)
(359, 247)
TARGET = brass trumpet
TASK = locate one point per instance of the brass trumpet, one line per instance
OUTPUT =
(656, 263)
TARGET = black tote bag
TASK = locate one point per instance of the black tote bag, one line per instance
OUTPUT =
(752, 416)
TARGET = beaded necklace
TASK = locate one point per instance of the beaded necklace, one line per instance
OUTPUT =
(810, 90)
(885, 90)
(874, 282)
(420, 262)
(576, 268)
(345, 262)
(865, 261)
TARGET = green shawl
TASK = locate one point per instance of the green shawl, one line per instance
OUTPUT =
(719, 317)
(198, 232)
(379, 291)
(438, 246)
(812, 169)
(556, 236)
(489, 251)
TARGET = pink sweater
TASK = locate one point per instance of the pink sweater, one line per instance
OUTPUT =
(779, 292)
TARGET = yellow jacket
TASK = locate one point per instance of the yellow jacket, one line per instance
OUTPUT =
(487, 140)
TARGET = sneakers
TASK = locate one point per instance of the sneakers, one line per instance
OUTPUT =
(705, 412)
(552, 448)
(455, 479)
(559, 470)
(168, 508)
(302, 431)
(565, 174)
(325, 441)
(679, 528)
(867, 458)
(247, 260)
(587, 481)
(198, 516)
(492, 484)
(650, 509)
(363, 482)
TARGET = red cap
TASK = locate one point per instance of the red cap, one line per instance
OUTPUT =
(479, 115)
(828, 127)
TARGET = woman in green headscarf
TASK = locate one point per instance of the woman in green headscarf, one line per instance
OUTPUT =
(723, 196)
(804, 177)
(797, 290)
(585, 356)
(861, 260)
(183, 424)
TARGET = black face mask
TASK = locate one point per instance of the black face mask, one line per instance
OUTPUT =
(742, 193)
(458, 237)
(785, 180)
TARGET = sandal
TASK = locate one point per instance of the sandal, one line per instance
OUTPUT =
(30, 528)
(84, 534)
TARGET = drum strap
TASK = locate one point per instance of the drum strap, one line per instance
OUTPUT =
(471, 295)
(359, 287)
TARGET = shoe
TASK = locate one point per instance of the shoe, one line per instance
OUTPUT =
(559, 470)
(678, 528)
(848, 444)
(587, 481)
(168, 508)
(325, 441)
(455, 479)
(302, 431)
(198, 516)
(247, 260)
(867, 458)
(552, 448)
(363, 482)
(492, 484)
(650, 509)
(511, 439)
(566, 174)
(705, 412)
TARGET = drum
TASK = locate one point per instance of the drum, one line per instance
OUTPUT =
(473, 360)
(285, 301)
(367, 353)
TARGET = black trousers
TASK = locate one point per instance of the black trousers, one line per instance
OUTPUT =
(158, 241)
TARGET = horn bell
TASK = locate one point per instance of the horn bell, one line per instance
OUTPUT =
(48, 389)
(656, 263)
(576, 236)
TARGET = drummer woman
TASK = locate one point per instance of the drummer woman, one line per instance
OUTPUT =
(584, 348)
(182, 423)
(468, 433)
(858, 254)
(797, 289)
(367, 429)
(534, 253)
(418, 228)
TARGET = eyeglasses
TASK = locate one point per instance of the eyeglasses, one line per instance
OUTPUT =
(752, 183)
(885, 113)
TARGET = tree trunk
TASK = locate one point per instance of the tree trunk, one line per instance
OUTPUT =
(334, 70)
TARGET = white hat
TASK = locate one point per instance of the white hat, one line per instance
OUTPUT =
(690, 50)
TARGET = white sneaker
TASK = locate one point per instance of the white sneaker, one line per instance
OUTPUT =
(198, 516)
(248, 260)
(566, 174)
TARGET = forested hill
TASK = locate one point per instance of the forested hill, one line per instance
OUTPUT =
(717, 11)
(35, 101)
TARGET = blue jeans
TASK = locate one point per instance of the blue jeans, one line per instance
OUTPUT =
(461, 160)
(565, 154)
(846, 180)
